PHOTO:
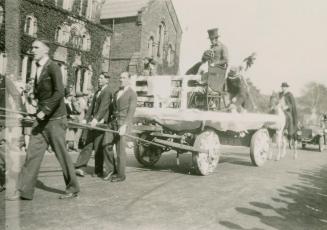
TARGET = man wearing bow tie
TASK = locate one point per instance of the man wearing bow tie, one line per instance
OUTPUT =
(123, 108)
(98, 113)
(49, 127)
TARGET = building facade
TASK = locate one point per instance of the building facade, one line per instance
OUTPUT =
(79, 43)
(142, 28)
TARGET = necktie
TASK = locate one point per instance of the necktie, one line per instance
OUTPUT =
(38, 65)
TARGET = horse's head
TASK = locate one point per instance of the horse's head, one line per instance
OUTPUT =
(275, 104)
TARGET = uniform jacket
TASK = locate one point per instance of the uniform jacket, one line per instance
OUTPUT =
(49, 91)
(99, 108)
(220, 54)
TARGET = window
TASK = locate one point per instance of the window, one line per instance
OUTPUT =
(170, 55)
(89, 10)
(106, 47)
(83, 7)
(3, 63)
(86, 41)
(1, 16)
(75, 37)
(62, 34)
(67, 4)
(161, 38)
(30, 27)
(150, 46)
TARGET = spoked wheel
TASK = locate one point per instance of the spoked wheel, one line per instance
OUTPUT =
(259, 147)
(321, 144)
(206, 162)
(145, 154)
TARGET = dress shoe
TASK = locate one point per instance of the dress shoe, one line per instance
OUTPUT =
(2, 188)
(68, 195)
(80, 172)
(97, 175)
(118, 179)
(109, 176)
(16, 197)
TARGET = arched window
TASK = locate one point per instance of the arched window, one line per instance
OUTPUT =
(65, 33)
(58, 34)
(161, 39)
(150, 46)
(30, 27)
(106, 47)
(170, 55)
(1, 16)
(62, 34)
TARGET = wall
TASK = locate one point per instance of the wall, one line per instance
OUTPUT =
(71, 57)
(157, 12)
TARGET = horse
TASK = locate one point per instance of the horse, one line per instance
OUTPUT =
(278, 107)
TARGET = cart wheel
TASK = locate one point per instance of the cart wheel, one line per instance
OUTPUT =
(259, 147)
(303, 145)
(146, 155)
(321, 144)
(206, 162)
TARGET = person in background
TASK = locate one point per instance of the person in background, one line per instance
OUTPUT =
(149, 68)
(220, 57)
(30, 105)
(73, 110)
(81, 99)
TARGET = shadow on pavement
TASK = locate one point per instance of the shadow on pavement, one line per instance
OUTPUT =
(300, 206)
(41, 185)
(236, 161)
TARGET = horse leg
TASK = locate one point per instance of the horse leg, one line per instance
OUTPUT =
(279, 144)
(295, 148)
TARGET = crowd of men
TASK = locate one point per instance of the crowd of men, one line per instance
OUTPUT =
(54, 107)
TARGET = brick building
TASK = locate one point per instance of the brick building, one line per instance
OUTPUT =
(142, 28)
(79, 43)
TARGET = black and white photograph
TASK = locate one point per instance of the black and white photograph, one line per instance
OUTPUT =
(163, 114)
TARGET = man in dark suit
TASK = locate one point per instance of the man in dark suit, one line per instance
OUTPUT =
(123, 109)
(98, 113)
(49, 127)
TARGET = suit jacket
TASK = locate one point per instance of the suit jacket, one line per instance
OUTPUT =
(100, 105)
(49, 91)
(124, 107)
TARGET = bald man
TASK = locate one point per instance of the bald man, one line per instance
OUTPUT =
(49, 127)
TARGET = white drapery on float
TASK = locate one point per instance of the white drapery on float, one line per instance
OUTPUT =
(189, 119)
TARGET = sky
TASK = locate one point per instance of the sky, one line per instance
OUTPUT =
(289, 37)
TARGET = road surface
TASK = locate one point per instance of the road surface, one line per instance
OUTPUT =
(288, 194)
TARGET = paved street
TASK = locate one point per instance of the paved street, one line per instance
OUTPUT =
(289, 194)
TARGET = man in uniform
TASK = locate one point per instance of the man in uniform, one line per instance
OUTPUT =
(220, 57)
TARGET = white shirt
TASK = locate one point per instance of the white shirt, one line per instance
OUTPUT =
(121, 92)
(39, 69)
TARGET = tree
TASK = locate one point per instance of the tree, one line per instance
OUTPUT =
(312, 100)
